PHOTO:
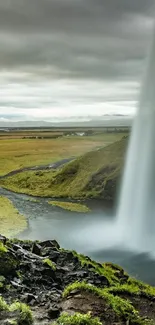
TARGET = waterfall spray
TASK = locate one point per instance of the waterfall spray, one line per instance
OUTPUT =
(136, 210)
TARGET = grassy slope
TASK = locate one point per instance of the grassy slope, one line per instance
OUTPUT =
(11, 222)
(20, 153)
(92, 175)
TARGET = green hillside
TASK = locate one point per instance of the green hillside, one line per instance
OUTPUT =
(92, 175)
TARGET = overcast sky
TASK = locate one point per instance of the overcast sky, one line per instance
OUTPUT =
(67, 58)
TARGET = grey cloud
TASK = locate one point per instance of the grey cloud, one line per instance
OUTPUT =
(74, 39)
(67, 14)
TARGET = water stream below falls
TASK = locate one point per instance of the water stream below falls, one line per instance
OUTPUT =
(94, 234)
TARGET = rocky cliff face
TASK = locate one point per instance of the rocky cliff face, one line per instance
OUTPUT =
(40, 283)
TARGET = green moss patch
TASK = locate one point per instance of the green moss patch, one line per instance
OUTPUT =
(78, 319)
(3, 305)
(75, 207)
(48, 262)
(23, 314)
(112, 274)
(3, 249)
(8, 264)
(123, 308)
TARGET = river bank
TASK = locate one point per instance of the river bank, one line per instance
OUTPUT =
(93, 233)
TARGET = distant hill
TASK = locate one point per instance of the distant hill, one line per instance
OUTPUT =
(94, 174)
(105, 120)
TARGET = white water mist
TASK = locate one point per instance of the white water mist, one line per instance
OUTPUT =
(136, 210)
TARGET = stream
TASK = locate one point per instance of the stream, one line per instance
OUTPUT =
(90, 233)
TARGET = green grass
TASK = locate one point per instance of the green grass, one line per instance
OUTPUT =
(49, 263)
(75, 207)
(94, 174)
(102, 269)
(78, 319)
(11, 222)
(25, 314)
(112, 273)
(3, 249)
(122, 307)
(3, 305)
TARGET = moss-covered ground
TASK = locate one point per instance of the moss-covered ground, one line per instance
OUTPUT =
(22, 312)
(78, 319)
(11, 222)
(116, 298)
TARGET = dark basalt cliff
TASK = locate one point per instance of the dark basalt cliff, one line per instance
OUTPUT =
(41, 283)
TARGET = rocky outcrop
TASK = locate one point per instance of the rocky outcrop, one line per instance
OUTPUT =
(47, 281)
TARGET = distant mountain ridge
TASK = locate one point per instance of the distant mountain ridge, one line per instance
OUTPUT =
(105, 121)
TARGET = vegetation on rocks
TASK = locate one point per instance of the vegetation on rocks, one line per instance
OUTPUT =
(3, 249)
(78, 319)
(22, 314)
(43, 276)
(122, 307)
(94, 174)
(48, 262)
(111, 272)
(3, 305)
(11, 222)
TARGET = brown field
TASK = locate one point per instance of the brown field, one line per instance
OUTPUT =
(27, 134)
(17, 153)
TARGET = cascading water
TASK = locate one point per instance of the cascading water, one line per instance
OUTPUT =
(136, 210)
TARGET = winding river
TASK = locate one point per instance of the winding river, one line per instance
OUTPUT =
(89, 233)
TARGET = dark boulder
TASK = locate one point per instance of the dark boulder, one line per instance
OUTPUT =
(36, 249)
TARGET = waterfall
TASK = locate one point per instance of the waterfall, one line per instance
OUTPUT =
(136, 209)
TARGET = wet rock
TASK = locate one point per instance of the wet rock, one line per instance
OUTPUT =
(53, 313)
(36, 249)
(28, 297)
(3, 239)
(52, 254)
(50, 243)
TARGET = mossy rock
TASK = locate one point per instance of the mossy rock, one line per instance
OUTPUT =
(8, 263)
(118, 309)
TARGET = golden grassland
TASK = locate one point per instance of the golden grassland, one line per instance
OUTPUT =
(26, 133)
(20, 153)
(11, 222)
(74, 207)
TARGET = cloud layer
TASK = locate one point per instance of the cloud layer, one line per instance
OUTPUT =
(61, 58)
